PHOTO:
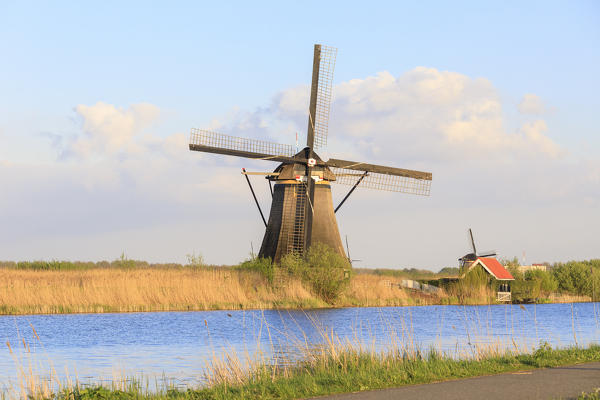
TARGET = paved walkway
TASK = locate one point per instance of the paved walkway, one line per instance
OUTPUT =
(552, 383)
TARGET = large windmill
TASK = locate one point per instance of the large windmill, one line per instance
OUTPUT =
(302, 210)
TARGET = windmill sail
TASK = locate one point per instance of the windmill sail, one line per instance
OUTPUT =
(213, 142)
(380, 177)
(318, 119)
(472, 241)
(320, 96)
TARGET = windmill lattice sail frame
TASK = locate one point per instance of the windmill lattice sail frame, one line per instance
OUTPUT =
(217, 140)
(377, 181)
(324, 91)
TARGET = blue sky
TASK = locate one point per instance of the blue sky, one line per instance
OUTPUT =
(226, 65)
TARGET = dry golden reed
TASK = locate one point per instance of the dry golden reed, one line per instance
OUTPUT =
(160, 289)
(369, 290)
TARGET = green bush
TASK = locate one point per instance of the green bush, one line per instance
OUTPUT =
(450, 271)
(56, 265)
(293, 264)
(53, 265)
(532, 285)
(542, 283)
(324, 269)
(329, 272)
(574, 277)
(520, 290)
(578, 277)
(124, 262)
(262, 265)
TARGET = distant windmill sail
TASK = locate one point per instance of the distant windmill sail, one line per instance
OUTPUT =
(471, 257)
(472, 241)
(487, 253)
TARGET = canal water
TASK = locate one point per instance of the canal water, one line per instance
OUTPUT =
(178, 345)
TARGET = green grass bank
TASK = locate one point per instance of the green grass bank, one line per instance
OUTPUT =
(342, 371)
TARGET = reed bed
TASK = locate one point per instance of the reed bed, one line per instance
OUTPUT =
(178, 289)
(370, 290)
(568, 298)
(128, 290)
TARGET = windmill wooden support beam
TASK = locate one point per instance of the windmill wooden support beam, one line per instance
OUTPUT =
(254, 195)
(349, 193)
(302, 210)
(266, 174)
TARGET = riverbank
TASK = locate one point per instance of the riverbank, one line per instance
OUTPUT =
(180, 289)
(341, 370)
(100, 290)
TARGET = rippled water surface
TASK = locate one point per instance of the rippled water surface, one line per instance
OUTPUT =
(177, 345)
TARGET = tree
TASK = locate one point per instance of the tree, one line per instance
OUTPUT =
(541, 283)
(574, 277)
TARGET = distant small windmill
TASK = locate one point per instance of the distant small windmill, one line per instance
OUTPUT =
(469, 258)
(302, 210)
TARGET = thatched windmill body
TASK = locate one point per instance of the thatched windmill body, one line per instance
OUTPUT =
(302, 211)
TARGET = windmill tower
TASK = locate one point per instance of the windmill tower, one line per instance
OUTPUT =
(302, 211)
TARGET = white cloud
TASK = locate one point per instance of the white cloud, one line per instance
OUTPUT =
(293, 102)
(434, 115)
(534, 138)
(532, 104)
(593, 172)
(108, 129)
(423, 114)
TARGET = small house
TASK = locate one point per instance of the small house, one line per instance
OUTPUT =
(496, 272)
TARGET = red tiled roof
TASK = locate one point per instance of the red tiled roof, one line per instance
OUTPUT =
(495, 268)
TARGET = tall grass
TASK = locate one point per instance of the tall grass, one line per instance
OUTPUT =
(125, 285)
(342, 370)
(28, 291)
(127, 290)
(334, 365)
(411, 273)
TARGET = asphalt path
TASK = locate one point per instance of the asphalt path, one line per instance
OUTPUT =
(566, 382)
